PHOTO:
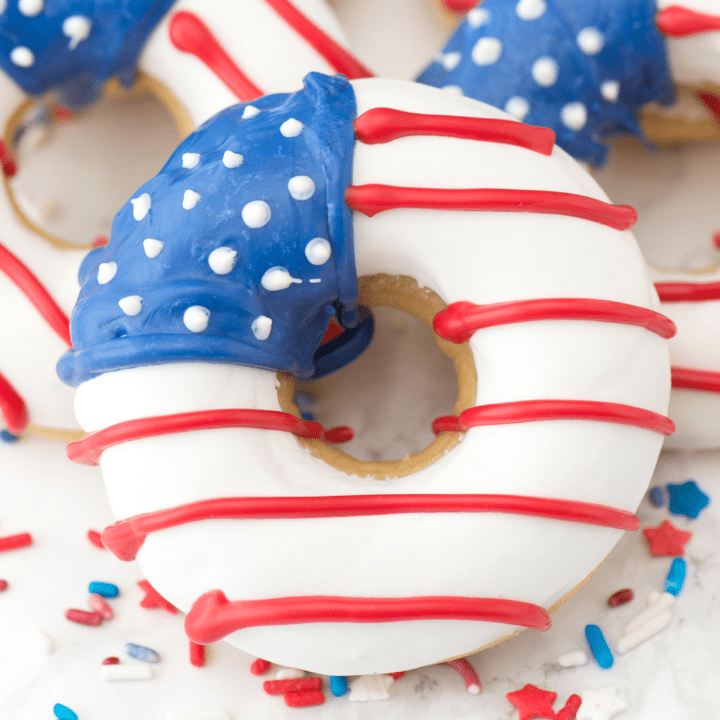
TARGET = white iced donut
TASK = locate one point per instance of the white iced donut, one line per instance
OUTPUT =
(198, 57)
(291, 549)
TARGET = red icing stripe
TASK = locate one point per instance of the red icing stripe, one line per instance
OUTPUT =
(374, 198)
(19, 274)
(88, 449)
(381, 125)
(702, 380)
(678, 21)
(213, 617)
(687, 291)
(336, 56)
(188, 33)
(126, 537)
(12, 408)
(712, 103)
(459, 320)
(538, 410)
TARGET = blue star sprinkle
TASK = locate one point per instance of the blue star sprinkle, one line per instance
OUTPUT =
(687, 499)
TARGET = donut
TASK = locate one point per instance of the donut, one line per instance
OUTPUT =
(198, 58)
(249, 518)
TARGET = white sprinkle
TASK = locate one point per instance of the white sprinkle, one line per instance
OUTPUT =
(77, 28)
(30, 8)
(451, 60)
(250, 111)
(574, 115)
(530, 9)
(212, 714)
(190, 199)
(288, 673)
(106, 272)
(301, 187)
(315, 280)
(232, 159)
(474, 689)
(141, 206)
(573, 659)
(318, 251)
(291, 128)
(190, 160)
(3, 6)
(477, 17)
(545, 71)
(126, 671)
(590, 40)
(610, 90)
(261, 327)
(41, 641)
(517, 107)
(222, 260)
(256, 214)
(152, 247)
(644, 632)
(131, 305)
(370, 687)
(665, 601)
(196, 318)
(278, 278)
(453, 89)
(654, 596)
(486, 51)
(22, 56)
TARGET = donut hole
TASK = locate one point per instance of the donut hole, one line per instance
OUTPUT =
(391, 393)
(74, 172)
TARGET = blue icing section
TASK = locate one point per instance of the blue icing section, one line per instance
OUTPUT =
(582, 69)
(265, 288)
(74, 46)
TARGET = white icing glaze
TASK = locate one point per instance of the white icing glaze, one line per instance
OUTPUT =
(190, 199)
(590, 40)
(196, 318)
(545, 71)
(318, 251)
(487, 51)
(232, 159)
(77, 28)
(530, 9)
(301, 187)
(131, 305)
(141, 206)
(152, 247)
(485, 258)
(256, 214)
(291, 128)
(222, 260)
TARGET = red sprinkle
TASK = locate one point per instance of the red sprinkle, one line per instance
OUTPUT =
(304, 699)
(197, 654)
(716, 240)
(9, 166)
(13, 542)
(620, 597)
(95, 538)
(98, 605)
(83, 617)
(111, 661)
(100, 241)
(292, 685)
(397, 675)
(3, 585)
(570, 710)
(260, 667)
(153, 599)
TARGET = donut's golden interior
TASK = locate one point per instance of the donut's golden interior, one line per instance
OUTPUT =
(404, 294)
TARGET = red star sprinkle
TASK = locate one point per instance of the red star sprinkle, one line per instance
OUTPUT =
(153, 599)
(666, 539)
(532, 702)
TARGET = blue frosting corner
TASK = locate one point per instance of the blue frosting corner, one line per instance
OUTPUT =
(582, 68)
(239, 251)
(74, 47)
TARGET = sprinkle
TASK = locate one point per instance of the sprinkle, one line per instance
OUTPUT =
(666, 539)
(190, 199)
(96, 539)
(280, 687)
(573, 659)
(190, 160)
(256, 214)
(100, 241)
(141, 206)
(620, 597)
(574, 115)
(212, 714)
(644, 632)
(104, 588)
(487, 51)
(7, 437)
(676, 576)
(301, 187)
(600, 704)
(42, 641)
(196, 318)
(142, 653)
(318, 251)
(106, 272)
(291, 128)
(98, 605)
(3, 585)
(338, 685)
(30, 8)
(131, 305)
(530, 9)
(610, 90)
(13, 542)
(653, 597)
(278, 278)
(477, 17)
(468, 674)
(532, 702)
(590, 40)
(250, 111)
(111, 661)
(22, 56)
(153, 599)
(665, 601)
(83, 617)
(517, 107)
(598, 646)
(569, 710)
(289, 674)
(259, 667)
(197, 654)
(545, 71)
(222, 260)
(370, 688)
(62, 712)
(152, 247)
(77, 28)
(397, 675)
(126, 672)
(687, 499)
(232, 159)
(304, 699)
(657, 496)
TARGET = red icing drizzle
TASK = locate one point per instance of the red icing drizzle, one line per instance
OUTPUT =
(374, 198)
(538, 410)
(690, 379)
(459, 320)
(335, 55)
(381, 125)
(88, 449)
(678, 21)
(213, 617)
(188, 33)
(671, 292)
(126, 537)
(712, 103)
(12, 407)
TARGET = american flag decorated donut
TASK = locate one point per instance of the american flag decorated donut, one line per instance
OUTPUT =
(229, 265)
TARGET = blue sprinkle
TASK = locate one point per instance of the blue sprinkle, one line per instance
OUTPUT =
(599, 646)
(8, 437)
(64, 713)
(338, 685)
(139, 652)
(676, 576)
(657, 496)
(687, 499)
(104, 589)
